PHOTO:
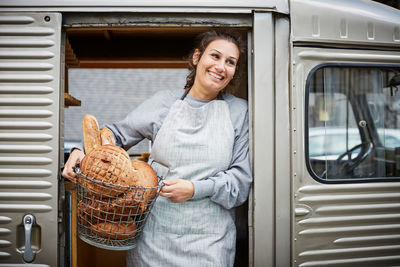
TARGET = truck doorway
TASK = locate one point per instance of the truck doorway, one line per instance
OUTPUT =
(108, 72)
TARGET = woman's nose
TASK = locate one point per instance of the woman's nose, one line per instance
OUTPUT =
(220, 66)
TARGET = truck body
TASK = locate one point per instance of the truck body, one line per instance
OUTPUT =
(322, 80)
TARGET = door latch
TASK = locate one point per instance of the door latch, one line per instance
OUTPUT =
(29, 220)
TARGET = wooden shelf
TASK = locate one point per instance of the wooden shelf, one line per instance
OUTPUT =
(69, 100)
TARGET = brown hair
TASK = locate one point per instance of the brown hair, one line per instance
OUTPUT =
(202, 41)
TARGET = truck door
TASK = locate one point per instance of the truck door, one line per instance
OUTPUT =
(29, 137)
(346, 151)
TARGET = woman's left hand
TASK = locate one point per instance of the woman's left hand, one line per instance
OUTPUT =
(177, 190)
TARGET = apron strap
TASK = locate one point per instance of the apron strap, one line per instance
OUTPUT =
(185, 93)
(219, 97)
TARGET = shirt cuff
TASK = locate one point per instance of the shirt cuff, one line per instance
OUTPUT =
(203, 188)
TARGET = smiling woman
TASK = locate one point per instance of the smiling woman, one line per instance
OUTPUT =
(202, 146)
(200, 149)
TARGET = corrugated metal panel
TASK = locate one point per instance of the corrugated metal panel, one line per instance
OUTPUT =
(29, 133)
(345, 22)
(349, 224)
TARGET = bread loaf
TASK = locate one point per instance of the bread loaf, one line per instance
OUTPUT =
(95, 210)
(91, 134)
(110, 164)
(84, 218)
(107, 137)
(114, 230)
(143, 176)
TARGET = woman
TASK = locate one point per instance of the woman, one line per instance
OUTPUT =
(200, 149)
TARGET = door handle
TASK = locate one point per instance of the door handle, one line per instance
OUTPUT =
(29, 220)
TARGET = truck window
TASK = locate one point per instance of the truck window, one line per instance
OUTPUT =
(353, 123)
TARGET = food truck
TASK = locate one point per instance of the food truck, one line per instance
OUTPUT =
(322, 81)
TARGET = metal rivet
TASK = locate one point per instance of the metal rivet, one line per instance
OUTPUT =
(294, 152)
(47, 18)
(362, 123)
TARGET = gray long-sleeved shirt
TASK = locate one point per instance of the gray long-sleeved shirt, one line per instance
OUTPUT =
(228, 188)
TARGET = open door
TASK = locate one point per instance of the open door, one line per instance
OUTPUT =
(111, 70)
(29, 137)
(346, 157)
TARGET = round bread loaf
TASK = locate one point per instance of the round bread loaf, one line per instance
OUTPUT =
(145, 179)
(110, 164)
(114, 230)
(95, 209)
(84, 217)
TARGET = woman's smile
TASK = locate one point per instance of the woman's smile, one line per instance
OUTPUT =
(216, 76)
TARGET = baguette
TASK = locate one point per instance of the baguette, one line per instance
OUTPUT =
(91, 134)
(107, 137)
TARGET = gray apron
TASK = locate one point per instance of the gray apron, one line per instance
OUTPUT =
(192, 144)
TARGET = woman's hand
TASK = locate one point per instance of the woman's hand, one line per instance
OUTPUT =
(74, 159)
(177, 190)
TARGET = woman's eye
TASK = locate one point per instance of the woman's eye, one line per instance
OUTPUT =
(216, 56)
(231, 62)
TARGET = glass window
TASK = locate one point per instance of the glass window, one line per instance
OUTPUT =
(353, 117)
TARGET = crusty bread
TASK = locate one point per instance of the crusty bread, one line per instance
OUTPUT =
(91, 134)
(115, 230)
(110, 164)
(107, 137)
(143, 176)
(95, 210)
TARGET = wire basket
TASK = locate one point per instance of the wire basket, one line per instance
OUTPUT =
(112, 216)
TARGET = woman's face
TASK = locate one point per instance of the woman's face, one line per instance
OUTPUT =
(216, 67)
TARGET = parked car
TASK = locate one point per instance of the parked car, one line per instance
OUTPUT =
(328, 143)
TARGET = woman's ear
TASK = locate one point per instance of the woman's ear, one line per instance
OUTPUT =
(196, 56)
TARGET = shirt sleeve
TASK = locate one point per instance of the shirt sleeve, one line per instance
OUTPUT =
(143, 122)
(230, 188)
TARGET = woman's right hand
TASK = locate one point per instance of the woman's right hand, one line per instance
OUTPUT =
(74, 159)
